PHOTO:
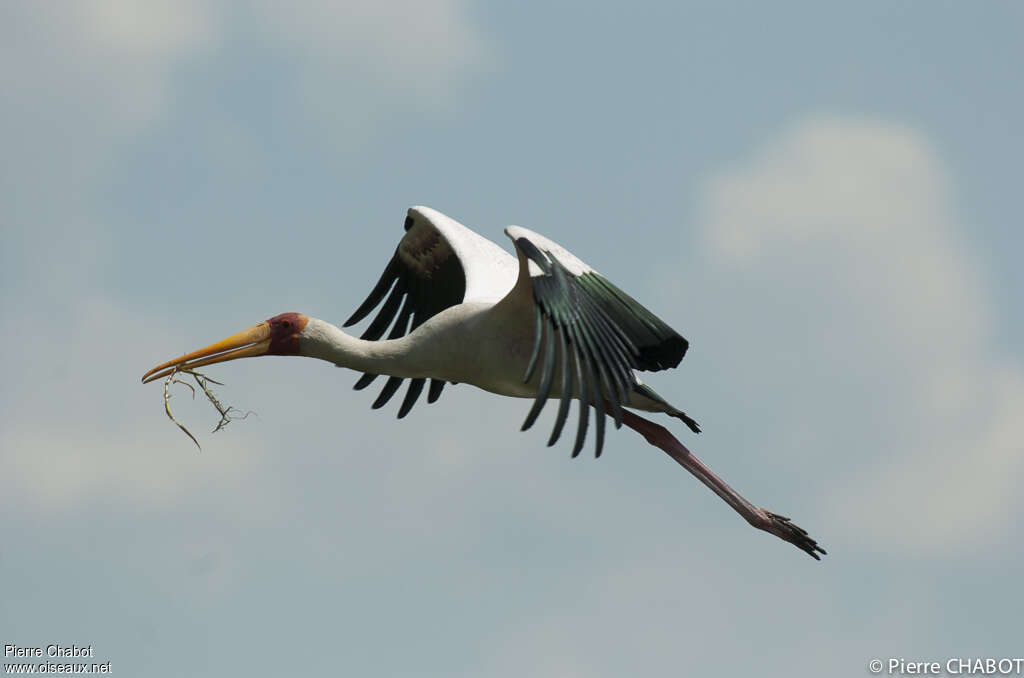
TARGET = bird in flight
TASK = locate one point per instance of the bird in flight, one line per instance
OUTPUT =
(541, 325)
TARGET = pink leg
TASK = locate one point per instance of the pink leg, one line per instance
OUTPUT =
(760, 518)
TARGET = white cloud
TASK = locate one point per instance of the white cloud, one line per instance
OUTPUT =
(81, 80)
(418, 51)
(870, 311)
(85, 80)
(89, 71)
(110, 64)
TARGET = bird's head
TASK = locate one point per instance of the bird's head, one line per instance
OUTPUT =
(279, 335)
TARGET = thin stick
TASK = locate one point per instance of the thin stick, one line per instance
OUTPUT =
(167, 404)
(225, 412)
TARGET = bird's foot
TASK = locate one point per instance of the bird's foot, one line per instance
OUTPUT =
(784, 529)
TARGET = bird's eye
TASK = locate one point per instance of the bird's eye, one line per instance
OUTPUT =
(408, 223)
(286, 324)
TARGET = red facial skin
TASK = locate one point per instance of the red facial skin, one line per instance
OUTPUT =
(284, 333)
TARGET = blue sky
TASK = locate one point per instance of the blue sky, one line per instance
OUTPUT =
(823, 199)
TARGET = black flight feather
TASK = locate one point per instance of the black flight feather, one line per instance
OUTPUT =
(606, 333)
(420, 295)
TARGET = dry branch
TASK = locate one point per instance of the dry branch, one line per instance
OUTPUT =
(227, 414)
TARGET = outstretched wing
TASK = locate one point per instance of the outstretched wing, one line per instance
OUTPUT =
(438, 263)
(599, 334)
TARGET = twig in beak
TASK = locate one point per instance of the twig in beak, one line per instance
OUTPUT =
(204, 383)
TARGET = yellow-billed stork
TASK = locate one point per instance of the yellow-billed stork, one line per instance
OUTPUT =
(462, 310)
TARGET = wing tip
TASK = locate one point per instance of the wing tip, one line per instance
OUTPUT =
(665, 354)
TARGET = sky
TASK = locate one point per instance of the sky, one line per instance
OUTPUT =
(822, 197)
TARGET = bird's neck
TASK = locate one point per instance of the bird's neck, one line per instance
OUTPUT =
(395, 357)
